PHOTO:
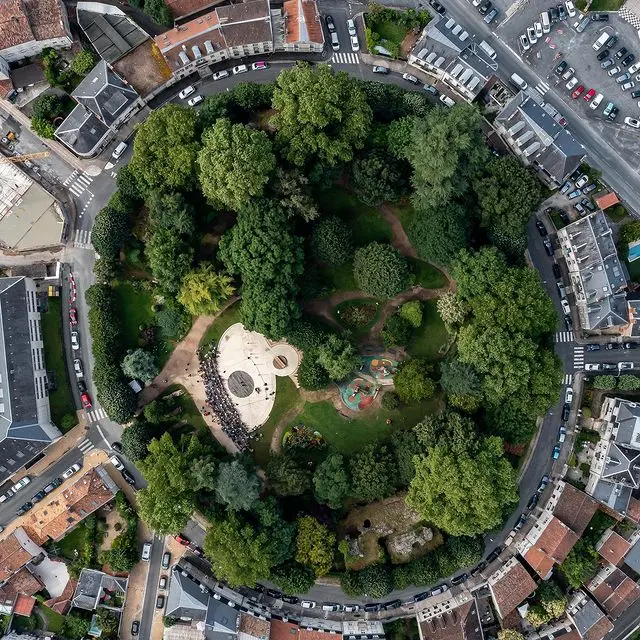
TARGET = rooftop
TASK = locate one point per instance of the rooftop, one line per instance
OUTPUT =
(281, 630)
(302, 22)
(94, 586)
(24, 605)
(510, 585)
(461, 623)
(81, 130)
(590, 621)
(613, 547)
(252, 627)
(607, 200)
(614, 590)
(575, 508)
(632, 559)
(186, 599)
(15, 553)
(25, 21)
(183, 8)
(552, 544)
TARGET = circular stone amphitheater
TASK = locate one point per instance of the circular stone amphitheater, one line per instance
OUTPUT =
(248, 365)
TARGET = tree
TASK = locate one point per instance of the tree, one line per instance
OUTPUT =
(235, 163)
(293, 577)
(106, 269)
(308, 334)
(390, 401)
(451, 309)
(380, 270)
(630, 231)
(580, 565)
(140, 364)
(320, 114)
(203, 291)
(459, 378)
(286, 477)
(159, 12)
(397, 331)
(331, 241)
(412, 312)
(311, 374)
(338, 357)
(399, 135)
(75, 627)
(135, 439)
(331, 481)
(269, 310)
(390, 102)
(165, 149)
(376, 580)
(607, 383)
(405, 447)
(110, 231)
(447, 152)
(439, 232)
(314, 545)
(628, 383)
(83, 62)
(48, 107)
(509, 634)
(373, 473)
(378, 178)
(169, 259)
(251, 96)
(203, 474)
(413, 382)
(43, 128)
(170, 211)
(350, 583)
(172, 322)
(237, 487)
(552, 599)
(464, 486)
(292, 190)
(116, 397)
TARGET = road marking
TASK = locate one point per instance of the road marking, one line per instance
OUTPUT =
(85, 446)
(542, 88)
(564, 336)
(568, 379)
(578, 357)
(78, 183)
(345, 58)
(82, 239)
(96, 414)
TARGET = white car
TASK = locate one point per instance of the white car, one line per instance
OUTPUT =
(613, 71)
(568, 395)
(628, 85)
(308, 604)
(572, 83)
(632, 122)
(241, 68)
(592, 367)
(476, 3)
(625, 366)
(524, 43)
(531, 34)
(409, 78)
(446, 100)
(77, 367)
(74, 468)
(538, 27)
(192, 102)
(218, 75)
(351, 27)
(355, 45)
(581, 181)
(566, 309)
(595, 103)
(186, 92)
(571, 10)
(21, 484)
(116, 462)
(75, 340)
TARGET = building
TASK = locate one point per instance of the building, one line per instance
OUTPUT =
(30, 217)
(362, 629)
(298, 27)
(458, 623)
(29, 26)
(537, 136)
(183, 9)
(459, 63)
(615, 468)
(16, 551)
(587, 617)
(598, 279)
(614, 591)
(510, 585)
(96, 588)
(25, 419)
(613, 547)
(53, 518)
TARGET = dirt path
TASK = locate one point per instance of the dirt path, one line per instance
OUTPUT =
(323, 306)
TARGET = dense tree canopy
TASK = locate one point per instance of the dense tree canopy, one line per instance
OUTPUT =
(380, 270)
(203, 291)
(413, 380)
(331, 481)
(287, 477)
(314, 545)
(320, 114)
(378, 178)
(373, 473)
(140, 364)
(338, 357)
(331, 241)
(237, 487)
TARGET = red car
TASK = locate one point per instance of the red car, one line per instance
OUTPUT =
(182, 540)
(86, 400)
(577, 92)
(73, 316)
(589, 95)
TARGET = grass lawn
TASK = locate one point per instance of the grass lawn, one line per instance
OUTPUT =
(339, 278)
(55, 621)
(431, 335)
(606, 5)
(427, 275)
(617, 213)
(557, 220)
(357, 315)
(391, 31)
(220, 325)
(189, 413)
(349, 436)
(60, 400)
(74, 540)
(366, 223)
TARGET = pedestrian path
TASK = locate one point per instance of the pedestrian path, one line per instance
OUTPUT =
(345, 58)
(564, 336)
(542, 88)
(95, 415)
(85, 446)
(630, 17)
(578, 357)
(568, 379)
(82, 239)
(78, 182)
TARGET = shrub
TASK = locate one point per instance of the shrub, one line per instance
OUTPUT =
(396, 332)
(390, 401)
(311, 374)
(412, 312)
(331, 241)
(380, 270)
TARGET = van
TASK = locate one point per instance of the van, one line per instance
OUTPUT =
(146, 551)
(546, 22)
(464, 36)
(584, 23)
(119, 150)
(335, 43)
(488, 49)
(518, 81)
(599, 43)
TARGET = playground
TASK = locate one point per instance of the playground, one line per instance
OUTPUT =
(359, 391)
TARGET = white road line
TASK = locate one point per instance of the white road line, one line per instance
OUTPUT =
(346, 58)
(75, 190)
(564, 336)
(542, 88)
(86, 445)
(568, 378)
(70, 178)
(85, 179)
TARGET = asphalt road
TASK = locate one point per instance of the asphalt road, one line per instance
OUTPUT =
(151, 590)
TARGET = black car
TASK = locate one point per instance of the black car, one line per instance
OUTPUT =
(612, 345)
(38, 496)
(609, 366)
(588, 204)
(135, 628)
(542, 230)
(548, 247)
(628, 60)
(600, 17)
(393, 604)
(372, 607)
(27, 506)
(533, 502)
(521, 521)
(290, 599)
(566, 410)
(160, 602)
(564, 216)
(556, 270)
(476, 570)
(562, 12)
(330, 23)
(128, 478)
(593, 347)
(419, 597)
(437, 6)
(621, 53)
(603, 54)
(560, 70)
(494, 554)
(611, 41)
(484, 7)
(630, 345)
(568, 323)
(463, 577)
(117, 446)
(82, 387)
(579, 208)
(553, 14)
(614, 112)
(273, 593)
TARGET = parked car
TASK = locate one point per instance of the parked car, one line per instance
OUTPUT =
(478, 568)
(595, 103)
(162, 584)
(409, 78)
(579, 207)
(494, 554)
(589, 95)
(166, 560)
(75, 340)
(436, 591)
(568, 73)
(429, 88)
(562, 434)
(485, 7)
(186, 92)
(27, 506)
(380, 69)
(135, 628)
(566, 309)
(524, 42)
(577, 92)
(548, 246)
(437, 7)
(592, 366)
(533, 501)
(627, 60)
(463, 577)
(632, 122)
(593, 347)
(561, 67)
(574, 194)
(355, 45)
(589, 188)
(182, 540)
(612, 345)
(74, 468)
(571, 10)
(623, 78)
(218, 75)
(419, 597)
(21, 484)
(606, 63)
(116, 462)
(608, 109)
(621, 53)
(600, 17)
(521, 522)
(538, 29)
(146, 551)
(602, 55)
(531, 34)
(77, 367)
(85, 398)
(636, 93)
(628, 85)
(308, 604)
(261, 65)
(566, 410)
(330, 23)
(611, 42)
(241, 68)
(556, 452)
(128, 478)
(581, 181)
(612, 72)
(587, 204)
(572, 83)
(353, 608)
(491, 16)
(54, 484)
(609, 366)
(568, 395)
(568, 323)
(117, 446)
(192, 102)
(556, 270)
(38, 496)
(625, 366)
(562, 12)
(73, 316)
(542, 230)
(614, 113)
(160, 602)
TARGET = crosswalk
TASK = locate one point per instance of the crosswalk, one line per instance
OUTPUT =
(568, 379)
(78, 182)
(96, 414)
(564, 336)
(542, 88)
(82, 239)
(578, 357)
(85, 446)
(345, 58)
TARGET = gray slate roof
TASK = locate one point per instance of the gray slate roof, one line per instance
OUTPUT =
(587, 616)
(632, 559)
(185, 599)
(221, 622)
(81, 130)
(628, 423)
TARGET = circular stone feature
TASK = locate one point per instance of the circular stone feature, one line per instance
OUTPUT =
(280, 362)
(241, 384)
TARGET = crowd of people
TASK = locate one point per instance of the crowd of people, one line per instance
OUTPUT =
(220, 402)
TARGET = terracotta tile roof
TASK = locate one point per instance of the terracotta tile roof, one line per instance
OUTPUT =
(53, 518)
(607, 200)
(13, 556)
(613, 547)
(62, 603)
(283, 630)
(633, 511)
(539, 561)
(555, 542)
(616, 593)
(6, 87)
(569, 635)
(599, 630)
(245, 22)
(575, 508)
(510, 585)
(243, 11)
(24, 605)
(14, 24)
(302, 22)
(253, 626)
(460, 623)
(24, 582)
(182, 8)
(45, 17)
(306, 634)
